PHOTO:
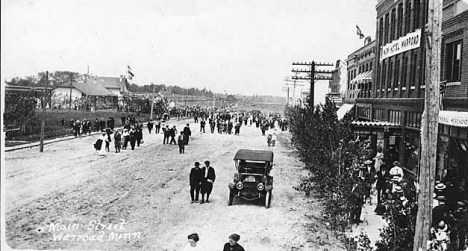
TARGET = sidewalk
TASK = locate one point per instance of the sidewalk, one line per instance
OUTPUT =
(371, 222)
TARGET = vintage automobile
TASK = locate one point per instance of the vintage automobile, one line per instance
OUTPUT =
(252, 179)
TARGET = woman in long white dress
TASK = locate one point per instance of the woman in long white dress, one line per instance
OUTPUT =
(102, 151)
(192, 243)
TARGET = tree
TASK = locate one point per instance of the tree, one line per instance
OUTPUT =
(20, 111)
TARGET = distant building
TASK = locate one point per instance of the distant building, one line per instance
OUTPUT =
(118, 86)
(339, 77)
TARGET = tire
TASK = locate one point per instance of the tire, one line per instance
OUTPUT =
(268, 199)
(231, 199)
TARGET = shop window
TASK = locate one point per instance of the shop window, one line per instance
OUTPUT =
(379, 114)
(453, 61)
(394, 117)
(463, 133)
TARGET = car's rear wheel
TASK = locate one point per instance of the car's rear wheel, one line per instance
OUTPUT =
(231, 198)
(268, 199)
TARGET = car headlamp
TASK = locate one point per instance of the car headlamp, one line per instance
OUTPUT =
(239, 185)
(260, 186)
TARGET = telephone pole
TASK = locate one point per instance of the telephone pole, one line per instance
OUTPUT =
(152, 104)
(324, 75)
(429, 125)
(41, 143)
(294, 84)
(71, 84)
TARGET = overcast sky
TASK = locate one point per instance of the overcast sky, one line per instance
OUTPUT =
(241, 46)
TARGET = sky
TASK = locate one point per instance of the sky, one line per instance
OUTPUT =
(233, 46)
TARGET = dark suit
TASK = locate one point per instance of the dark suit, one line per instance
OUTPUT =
(196, 178)
(382, 177)
(207, 186)
(187, 133)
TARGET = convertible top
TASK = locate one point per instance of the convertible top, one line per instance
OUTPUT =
(255, 155)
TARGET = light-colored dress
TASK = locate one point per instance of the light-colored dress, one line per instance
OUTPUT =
(102, 151)
(190, 248)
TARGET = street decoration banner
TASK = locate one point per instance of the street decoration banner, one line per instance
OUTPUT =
(410, 41)
(454, 118)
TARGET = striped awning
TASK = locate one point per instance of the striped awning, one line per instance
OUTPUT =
(363, 77)
(374, 123)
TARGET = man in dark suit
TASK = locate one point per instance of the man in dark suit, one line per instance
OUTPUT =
(382, 178)
(187, 133)
(209, 177)
(196, 178)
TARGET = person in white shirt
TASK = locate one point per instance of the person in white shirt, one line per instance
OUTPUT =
(192, 243)
(396, 170)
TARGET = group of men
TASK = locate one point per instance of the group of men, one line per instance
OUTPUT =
(201, 181)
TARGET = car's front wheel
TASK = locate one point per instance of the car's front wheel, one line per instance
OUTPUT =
(268, 199)
(231, 198)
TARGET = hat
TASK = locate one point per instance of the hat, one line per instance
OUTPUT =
(362, 166)
(368, 162)
(434, 195)
(197, 163)
(396, 163)
(395, 178)
(461, 204)
(442, 226)
(398, 189)
(235, 237)
(441, 197)
(440, 186)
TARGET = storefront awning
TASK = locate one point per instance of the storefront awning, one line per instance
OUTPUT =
(363, 77)
(345, 108)
(374, 124)
(453, 118)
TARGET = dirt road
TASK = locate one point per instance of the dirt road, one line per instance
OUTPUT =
(70, 198)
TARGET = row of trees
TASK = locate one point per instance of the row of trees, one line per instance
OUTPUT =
(327, 148)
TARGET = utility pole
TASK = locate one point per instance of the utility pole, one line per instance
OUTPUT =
(71, 84)
(152, 104)
(41, 143)
(288, 81)
(324, 75)
(429, 125)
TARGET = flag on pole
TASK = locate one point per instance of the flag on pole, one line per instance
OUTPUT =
(130, 72)
(359, 32)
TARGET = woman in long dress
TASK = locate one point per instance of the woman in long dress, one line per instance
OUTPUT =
(102, 151)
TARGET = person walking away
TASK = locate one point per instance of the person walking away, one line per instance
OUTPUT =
(126, 138)
(209, 177)
(166, 132)
(158, 126)
(172, 133)
(132, 137)
(237, 129)
(187, 133)
(181, 142)
(139, 134)
(150, 126)
(192, 244)
(212, 125)
(202, 125)
(233, 244)
(269, 139)
(196, 179)
(382, 178)
(117, 141)
(273, 139)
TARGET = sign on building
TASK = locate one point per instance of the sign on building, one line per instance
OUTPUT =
(410, 41)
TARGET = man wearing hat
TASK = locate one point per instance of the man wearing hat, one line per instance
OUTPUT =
(187, 133)
(196, 178)
(441, 211)
(232, 245)
(396, 170)
(209, 177)
(382, 178)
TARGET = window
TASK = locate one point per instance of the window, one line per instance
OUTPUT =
(397, 73)
(417, 7)
(404, 71)
(413, 119)
(393, 24)
(384, 74)
(390, 73)
(400, 20)
(453, 61)
(370, 66)
(413, 66)
(408, 16)
(394, 117)
(367, 67)
(379, 114)
(387, 30)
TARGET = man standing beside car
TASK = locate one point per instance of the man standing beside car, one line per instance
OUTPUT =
(209, 177)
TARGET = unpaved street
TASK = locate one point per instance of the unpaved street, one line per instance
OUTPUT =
(141, 197)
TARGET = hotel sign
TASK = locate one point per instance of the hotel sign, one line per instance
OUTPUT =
(454, 118)
(406, 43)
